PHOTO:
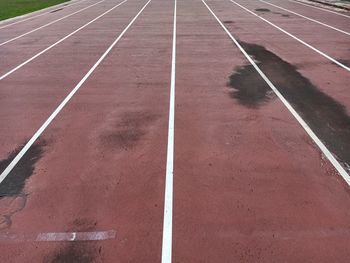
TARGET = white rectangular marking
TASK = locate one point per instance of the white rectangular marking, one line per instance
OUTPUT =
(76, 236)
(59, 236)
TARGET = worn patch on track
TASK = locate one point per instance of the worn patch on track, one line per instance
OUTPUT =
(56, 10)
(85, 251)
(12, 197)
(325, 116)
(14, 183)
(262, 10)
(346, 62)
(129, 130)
(80, 251)
(278, 13)
(247, 87)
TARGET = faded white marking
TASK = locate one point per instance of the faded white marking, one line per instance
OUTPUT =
(59, 236)
(76, 236)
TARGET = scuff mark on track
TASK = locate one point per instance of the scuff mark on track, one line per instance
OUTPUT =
(83, 251)
(262, 10)
(325, 116)
(12, 196)
(56, 10)
(8, 207)
(129, 130)
(265, 10)
(79, 251)
(346, 62)
(278, 13)
(247, 88)
(15, 181)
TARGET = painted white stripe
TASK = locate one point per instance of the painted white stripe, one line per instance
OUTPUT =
(308, 18)
(66, 100)
(308, 130)
(76, 236)
(31, 16)
(316, 7)
(168, 195)
(294, 37)
(48, 24)
(58, 42)
(60, 236)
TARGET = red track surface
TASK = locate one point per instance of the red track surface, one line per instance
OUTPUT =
(249, 185)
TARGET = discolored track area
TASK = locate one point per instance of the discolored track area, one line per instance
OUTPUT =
(175, 131)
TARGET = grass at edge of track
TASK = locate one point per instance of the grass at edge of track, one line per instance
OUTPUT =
(12, 8)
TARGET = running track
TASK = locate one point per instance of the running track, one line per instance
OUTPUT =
(134, 133)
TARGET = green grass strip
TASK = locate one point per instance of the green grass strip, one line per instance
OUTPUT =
(12, 8)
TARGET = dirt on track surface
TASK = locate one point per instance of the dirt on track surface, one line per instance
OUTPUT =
(250, 185)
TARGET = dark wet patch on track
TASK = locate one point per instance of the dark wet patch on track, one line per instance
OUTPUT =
(278, 13)
(83, 225)
(78, 251)
(265, 10)
(325, 116)
(16, 179)
(346, 62)
(12, 197)
(262, 10)
(247, 88)
(129, 130)
(74, 252)
(10, 206)
(56, 10)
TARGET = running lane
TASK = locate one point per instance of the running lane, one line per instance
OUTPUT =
(29, 95)
(13, 27)
(100, 165)
(249, 184)
(323, 39)
(21, 49)
(323, 16)
(314, 85)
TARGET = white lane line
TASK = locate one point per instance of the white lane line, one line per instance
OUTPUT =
(308, 130)
(58, 42)
(48, 24)
(168, 195)
(76, 236)
(294, 37)
(316, 7)
(59, 236)
(66, 100)
(41, 14)
(308, 18)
